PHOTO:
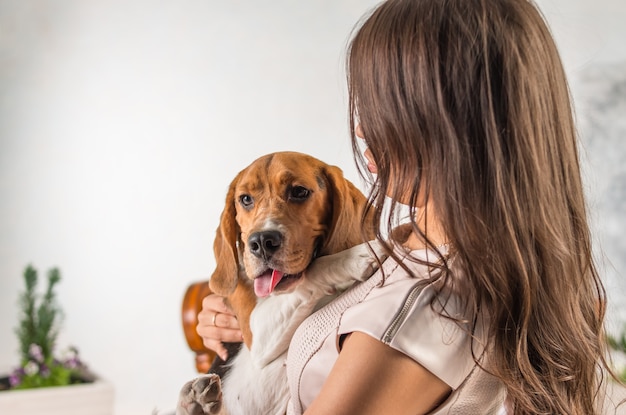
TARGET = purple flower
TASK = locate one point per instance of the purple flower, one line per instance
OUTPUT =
(71, 359)
(44, 370)
(35, 352)
(72, 363)
(15, 378)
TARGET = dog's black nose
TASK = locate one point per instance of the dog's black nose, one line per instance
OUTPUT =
(265, 244)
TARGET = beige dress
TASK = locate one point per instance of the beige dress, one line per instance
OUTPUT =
(397, 312)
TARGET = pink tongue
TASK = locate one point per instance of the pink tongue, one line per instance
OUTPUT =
(265, 284)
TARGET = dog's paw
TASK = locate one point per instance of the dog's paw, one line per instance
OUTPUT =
(341, 269)
(201, 396)
(364, 259)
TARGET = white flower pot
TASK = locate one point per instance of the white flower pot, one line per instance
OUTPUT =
(94, 398)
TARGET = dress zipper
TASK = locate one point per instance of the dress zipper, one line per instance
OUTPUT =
(403, 311)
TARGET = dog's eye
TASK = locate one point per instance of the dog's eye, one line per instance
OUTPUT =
(299, 193)
(246, 200)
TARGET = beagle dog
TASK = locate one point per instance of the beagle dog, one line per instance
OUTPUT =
(282, 251)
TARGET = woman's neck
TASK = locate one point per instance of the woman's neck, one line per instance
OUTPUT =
(430, 226)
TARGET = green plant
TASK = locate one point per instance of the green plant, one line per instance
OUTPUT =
(40, 320)
(618, 345)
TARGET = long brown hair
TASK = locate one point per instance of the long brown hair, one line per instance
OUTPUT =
(468, 99)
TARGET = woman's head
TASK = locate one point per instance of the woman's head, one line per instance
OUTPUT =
(466, 101)
(456, 96)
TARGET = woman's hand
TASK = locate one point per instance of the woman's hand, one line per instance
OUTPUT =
(216, 324)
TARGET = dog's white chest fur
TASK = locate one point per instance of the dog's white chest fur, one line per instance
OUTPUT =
(259, 373)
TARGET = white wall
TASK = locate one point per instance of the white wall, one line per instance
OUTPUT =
(121, 125)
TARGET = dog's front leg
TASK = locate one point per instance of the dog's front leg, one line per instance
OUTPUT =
(339, 271)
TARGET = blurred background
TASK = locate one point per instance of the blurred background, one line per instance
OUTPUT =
(122, 122)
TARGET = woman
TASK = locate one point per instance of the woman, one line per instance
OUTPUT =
(464, 110)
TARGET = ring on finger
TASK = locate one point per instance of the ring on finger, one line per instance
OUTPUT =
(214, 317)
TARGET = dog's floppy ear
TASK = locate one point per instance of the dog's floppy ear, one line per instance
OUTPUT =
(224, 279)
(348, 203)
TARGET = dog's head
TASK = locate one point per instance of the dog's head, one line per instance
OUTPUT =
(281, 212)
